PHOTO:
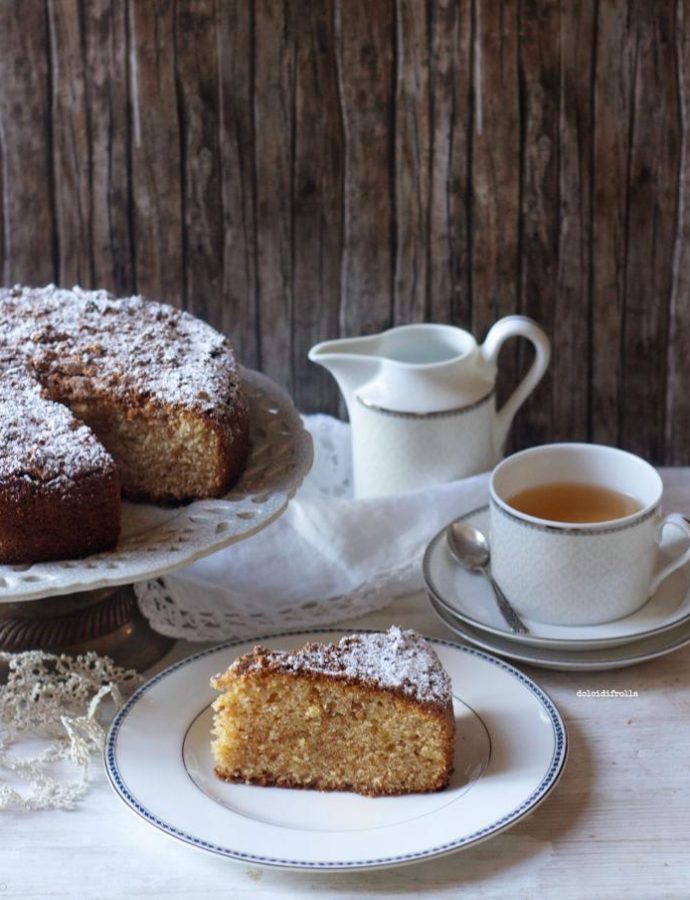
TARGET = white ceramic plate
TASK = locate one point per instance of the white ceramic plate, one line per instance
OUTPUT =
(511, 749)
(617, 657)
(469, 599)
(159, 539)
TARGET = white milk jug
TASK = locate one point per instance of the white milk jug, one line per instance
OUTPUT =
(421, 401)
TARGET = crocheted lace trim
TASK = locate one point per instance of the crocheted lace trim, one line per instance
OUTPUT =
(50, 725)
(168, 617)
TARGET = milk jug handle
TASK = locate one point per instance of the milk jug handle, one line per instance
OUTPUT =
(516, 326)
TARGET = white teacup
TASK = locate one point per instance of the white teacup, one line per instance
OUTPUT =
(569, 573)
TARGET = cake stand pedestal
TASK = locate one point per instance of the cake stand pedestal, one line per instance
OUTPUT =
(107, 621)
(74, 606)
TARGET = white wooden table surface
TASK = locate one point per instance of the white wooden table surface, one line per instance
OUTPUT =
(617, 825)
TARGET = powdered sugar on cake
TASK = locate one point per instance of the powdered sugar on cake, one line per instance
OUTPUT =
(91, 343)
(397, 660)
(41, 440)
(127, 347)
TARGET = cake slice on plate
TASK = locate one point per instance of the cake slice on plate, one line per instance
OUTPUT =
(372, 714)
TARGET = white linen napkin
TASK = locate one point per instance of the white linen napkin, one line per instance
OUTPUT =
(327, 558)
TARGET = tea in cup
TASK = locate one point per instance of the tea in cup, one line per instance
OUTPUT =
(575, 530)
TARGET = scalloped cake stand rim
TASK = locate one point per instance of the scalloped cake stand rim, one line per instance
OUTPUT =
(81, 582)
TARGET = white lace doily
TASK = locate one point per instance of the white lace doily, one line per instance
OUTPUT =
(169, 613)
(327, 559)
(157, 539)
(49, 725)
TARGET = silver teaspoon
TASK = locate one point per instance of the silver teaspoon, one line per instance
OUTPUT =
(470, 548)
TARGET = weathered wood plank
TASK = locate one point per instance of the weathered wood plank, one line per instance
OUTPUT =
(570, 323)
(495, 173)
(450, 87)
(613, 81)
(539, 63)
(412, 153)
(651, 222)
(273, 147)
(677, 420)
(196, 72)
(156, 157)
(238, 313)
(107, 72)
(71, 144)
(366, 85)
(29, 239)
(316, 200)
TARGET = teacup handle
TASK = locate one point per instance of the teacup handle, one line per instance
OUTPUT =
(681, 559)
(516, 326)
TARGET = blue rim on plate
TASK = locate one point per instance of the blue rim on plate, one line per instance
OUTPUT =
(535, 798)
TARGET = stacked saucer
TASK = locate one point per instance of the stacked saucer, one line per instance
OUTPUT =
(465, 602)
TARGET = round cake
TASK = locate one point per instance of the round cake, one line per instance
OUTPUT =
(102, 397)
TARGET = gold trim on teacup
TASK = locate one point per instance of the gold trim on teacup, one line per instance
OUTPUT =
(585, 529)
(458, 411)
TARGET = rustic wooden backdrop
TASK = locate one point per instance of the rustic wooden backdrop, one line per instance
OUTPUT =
(296, 170)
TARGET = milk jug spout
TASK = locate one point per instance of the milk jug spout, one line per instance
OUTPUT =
(351, 361)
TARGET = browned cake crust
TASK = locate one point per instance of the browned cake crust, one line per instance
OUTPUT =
(38, 523)
(59, 488)
(102, 396)
(386, 695)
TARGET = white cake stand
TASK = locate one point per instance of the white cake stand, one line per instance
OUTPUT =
(76, 605)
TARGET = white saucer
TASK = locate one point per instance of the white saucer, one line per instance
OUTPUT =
(594, 660)
(468, 598)
(511, 750)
